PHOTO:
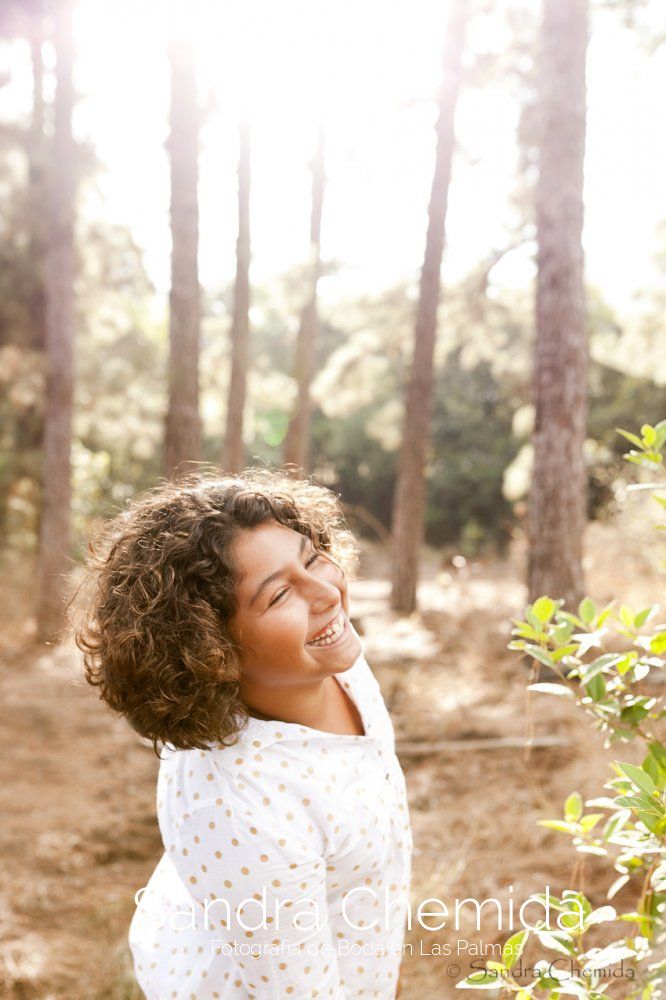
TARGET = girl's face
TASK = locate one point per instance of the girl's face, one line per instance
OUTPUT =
(288, 593)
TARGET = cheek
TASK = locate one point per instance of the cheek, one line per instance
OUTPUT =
(284, 628)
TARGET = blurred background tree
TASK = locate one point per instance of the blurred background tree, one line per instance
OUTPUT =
(480, 453)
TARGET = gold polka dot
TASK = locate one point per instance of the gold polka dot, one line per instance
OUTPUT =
(209, 776)
(245, 871)
(193, 879)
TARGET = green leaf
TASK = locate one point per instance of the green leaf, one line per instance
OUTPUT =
(547, 688)
(558, 941)
(649, 434)
(648, 819)
(559, 825)
(658, 643)
(590, 821)
(587, 609)
(603, 615)
(600, 663)
(596, 688)
(643, 616)
(658, 751)
(544, 608)
(480, 980)
(559, 654)
(600, 958)
(626, 662)
(573, 807)
(513, 948)
(630, 437)
(652, 767)
(569, 617)
(601, 915)
(539, 654)
(626, 616)
(638, 776)
(617, 885)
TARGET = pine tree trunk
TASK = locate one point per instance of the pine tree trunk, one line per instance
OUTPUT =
(54, 534)
(409, 498)
(183, 423)
(557, 509)
(234, 450)
(37, 174)
(297, 441)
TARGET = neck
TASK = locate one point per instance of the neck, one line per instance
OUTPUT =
(301, 703)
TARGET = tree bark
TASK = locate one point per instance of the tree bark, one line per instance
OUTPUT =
(409, 498)
(183, 422)
(297, 441)
(234, 450)
(54, 533)
(557, 506)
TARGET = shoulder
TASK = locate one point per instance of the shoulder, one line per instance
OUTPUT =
(272, 791)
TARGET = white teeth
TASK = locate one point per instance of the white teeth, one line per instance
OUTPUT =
(329, 635)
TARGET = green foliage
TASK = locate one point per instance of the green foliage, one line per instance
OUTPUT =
(627, 826)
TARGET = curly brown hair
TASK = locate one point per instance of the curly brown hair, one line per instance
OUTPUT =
(159, 587)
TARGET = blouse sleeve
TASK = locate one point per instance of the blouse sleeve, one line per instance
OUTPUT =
(286, 948)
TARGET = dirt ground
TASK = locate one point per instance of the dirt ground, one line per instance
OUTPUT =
(77, 791)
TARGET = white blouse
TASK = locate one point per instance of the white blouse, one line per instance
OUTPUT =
(287, 864)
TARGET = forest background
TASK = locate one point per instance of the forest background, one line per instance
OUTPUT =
(328, 118)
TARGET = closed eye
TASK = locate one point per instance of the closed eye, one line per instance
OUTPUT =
(283, 592)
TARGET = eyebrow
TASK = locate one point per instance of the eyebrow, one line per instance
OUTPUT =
(279, 572)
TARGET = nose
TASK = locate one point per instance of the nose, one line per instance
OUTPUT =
(325, 594)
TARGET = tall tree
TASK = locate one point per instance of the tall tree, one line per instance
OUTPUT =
(409, 497)
(234, 452)
(297, 441)
(557, 505)
(37, 164)
(183, 422)
(54, 534)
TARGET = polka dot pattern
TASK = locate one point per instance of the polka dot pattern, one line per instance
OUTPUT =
(281, 855)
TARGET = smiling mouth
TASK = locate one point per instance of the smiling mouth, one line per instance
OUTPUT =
(333, 633)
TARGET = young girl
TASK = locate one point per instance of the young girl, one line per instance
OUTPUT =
(217, 622)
